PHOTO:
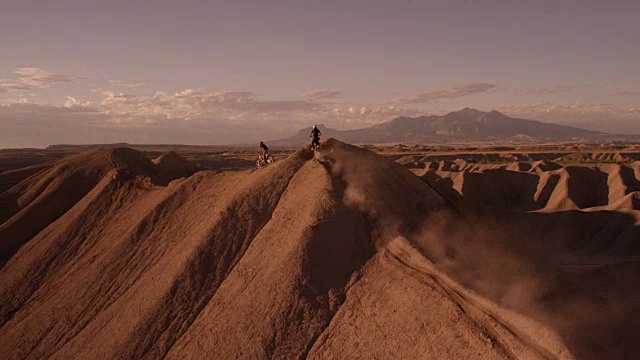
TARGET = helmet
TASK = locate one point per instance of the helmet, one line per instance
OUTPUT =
(314, 126)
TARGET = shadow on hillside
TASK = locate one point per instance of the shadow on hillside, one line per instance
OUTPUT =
(574, 271)
(500, 190)
(588, 264)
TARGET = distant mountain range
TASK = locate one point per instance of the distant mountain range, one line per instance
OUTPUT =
(466, 125)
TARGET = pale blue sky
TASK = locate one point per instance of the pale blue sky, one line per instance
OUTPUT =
(577, 58)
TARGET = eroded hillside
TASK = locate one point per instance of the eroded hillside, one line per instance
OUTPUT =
(337, 254)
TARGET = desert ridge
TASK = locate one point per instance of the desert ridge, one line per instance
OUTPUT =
(341, 253)
(536, 186)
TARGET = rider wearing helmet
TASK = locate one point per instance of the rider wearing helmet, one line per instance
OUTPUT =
(264, 150)
(315, 133)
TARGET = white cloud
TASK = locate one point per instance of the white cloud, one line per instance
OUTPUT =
(612, 118)
(191, 104)
(32, 78)
(73, 102)
(450, 93)
(322, 95)
(198, 116)
(188, 116)
(624, 93)
(124, 84)
(610, 110)
(544, 90)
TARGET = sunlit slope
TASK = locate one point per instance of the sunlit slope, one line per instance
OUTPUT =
(319, 255)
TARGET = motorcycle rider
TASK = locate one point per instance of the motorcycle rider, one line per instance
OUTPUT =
(264, 151)
(315, 133)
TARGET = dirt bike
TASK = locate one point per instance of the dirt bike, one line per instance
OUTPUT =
(264, 160)
(315, 145)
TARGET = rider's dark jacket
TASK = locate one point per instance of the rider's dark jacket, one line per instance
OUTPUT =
(315, 133)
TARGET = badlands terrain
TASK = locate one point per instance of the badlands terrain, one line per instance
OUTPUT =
(386, 251)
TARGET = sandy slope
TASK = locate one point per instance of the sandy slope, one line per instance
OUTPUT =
(341, 254)
(41, 198)
(592, 213)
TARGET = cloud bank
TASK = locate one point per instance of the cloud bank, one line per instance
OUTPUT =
(322, 95)
(32, 78)
(194, 116)
(546, 90)
(450, 93)
(624, 93)
(189, 116)
(611, 118)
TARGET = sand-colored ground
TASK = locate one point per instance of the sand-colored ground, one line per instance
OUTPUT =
(536, 186)
(335, 255)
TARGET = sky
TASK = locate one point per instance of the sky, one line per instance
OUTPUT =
(223, 72)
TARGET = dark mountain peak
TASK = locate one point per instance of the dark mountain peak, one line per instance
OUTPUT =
(468, 111)
(466, 125)
(498, 114)
(464, 114)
